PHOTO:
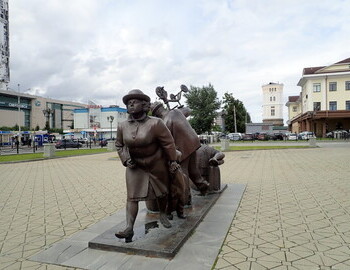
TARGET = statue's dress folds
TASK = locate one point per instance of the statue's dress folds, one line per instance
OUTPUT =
(149, 143)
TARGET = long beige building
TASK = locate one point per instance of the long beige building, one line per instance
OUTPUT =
(28, 111)
(324, 101)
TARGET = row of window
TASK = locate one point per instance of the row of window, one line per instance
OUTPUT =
(332, 86)
(272, 98)
(332, 105)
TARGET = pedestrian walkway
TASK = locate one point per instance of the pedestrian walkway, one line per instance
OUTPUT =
(294, 213)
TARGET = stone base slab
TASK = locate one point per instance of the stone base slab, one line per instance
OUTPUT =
(151, 238)
(199, 252)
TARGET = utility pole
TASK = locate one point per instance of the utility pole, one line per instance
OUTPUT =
(234, 117)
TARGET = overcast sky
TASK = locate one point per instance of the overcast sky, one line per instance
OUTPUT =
(80, 50)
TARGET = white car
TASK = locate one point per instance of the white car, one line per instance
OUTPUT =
(292, 137)
(306, 135)
(235, 136)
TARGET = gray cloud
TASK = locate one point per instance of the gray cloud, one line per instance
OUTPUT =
(84, 49)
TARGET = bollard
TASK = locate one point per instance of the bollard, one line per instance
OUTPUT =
(312, 142)
(49, 150)
(111, 146)
(225, 144)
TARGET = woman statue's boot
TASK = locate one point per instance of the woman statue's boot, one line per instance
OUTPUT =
(131, 212)
(127, 234)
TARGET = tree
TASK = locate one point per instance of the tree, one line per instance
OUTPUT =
(203, 102)
(242, 116)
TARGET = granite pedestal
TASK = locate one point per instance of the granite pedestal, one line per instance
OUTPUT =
(151, 238)
(199, 252)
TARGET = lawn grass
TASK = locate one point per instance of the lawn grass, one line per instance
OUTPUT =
(63, 153)
(20, 157)
(263, 147)
(78, 152)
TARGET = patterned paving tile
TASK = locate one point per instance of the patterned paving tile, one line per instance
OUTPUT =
(293, 215)
(296, 204)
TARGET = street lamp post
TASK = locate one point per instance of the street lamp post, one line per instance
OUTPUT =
(19, 111)
(110, 119)
(234, 117)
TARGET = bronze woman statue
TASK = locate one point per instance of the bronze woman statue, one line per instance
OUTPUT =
(146, 147)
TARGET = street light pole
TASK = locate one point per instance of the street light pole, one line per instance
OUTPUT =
(110, 119)
(234, 117)
(19, 111)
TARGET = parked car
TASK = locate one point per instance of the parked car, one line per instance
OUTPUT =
(223, 137)
(235, 136)
(277, 136)
(67, 144)
(292, 137)
(338, 134)
(83, 140)
(306, 135)
(263, 136)
(255, 135)
(248, 137)
(104, 142)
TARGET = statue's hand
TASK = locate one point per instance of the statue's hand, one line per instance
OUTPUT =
(130, 164)
(213, 162)
(173, 166)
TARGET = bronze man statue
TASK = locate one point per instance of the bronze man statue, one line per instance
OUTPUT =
(186, 141)
(146, 147)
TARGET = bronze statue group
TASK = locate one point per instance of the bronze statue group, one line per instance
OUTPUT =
(163, 158)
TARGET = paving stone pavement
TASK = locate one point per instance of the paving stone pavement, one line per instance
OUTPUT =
(295, 213)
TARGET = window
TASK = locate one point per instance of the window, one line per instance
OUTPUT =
(316, 87)
(347, 105)
(332, 105)
(273, 111)
(270, 98)
(332, 86)
(317, 106)
(295, 108)
(347, 85)
(274, 98)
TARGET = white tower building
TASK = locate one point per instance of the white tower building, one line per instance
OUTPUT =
(4, 45)
(273, 103)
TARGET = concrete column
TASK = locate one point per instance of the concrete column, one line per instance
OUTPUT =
(324, 129)
(308, 126)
